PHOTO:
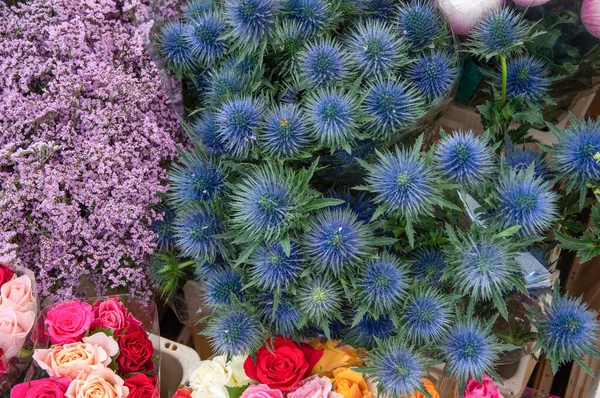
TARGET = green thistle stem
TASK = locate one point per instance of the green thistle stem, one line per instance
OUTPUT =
(504, 77)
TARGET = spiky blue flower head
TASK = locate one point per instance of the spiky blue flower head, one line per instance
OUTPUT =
(292, 95)
(273, 269)
(521, 158)
(204, 269)
(221, 285)
(396, 367)
(195, 9)
(429, 264)
(319, 301)
(382, 284)
(311, 15)
(288, 42)
(224, 84)
(574, 153)
(195, 178)
(195, 230)
(238, 120)
(420, 22)
(368, 330)
(433, 73)
(202, 35)
(469, 349)
(501, 32)
(285, 132)
(323, 62)
(333, 117)
(427, 315)
(174, 48)
(567, 330)
(464, 158)
(235, 330)
(376, 49)
(525, 200)
(287, 316)
(163, 228)
(359, 203)
(204, 133)
(246, 65)
(251, 21)
(168, 272)
(527, 76)
(384, 10)
(337, 241)
(393, 105)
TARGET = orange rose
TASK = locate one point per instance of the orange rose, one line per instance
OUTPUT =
(430, 387)
(334, 357)
(350, 384)
(99, 383)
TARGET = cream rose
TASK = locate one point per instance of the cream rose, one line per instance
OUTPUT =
(238, 375)
(211, 377)
(17, 294)
(69, 360)
(101, 383)
(14, 328)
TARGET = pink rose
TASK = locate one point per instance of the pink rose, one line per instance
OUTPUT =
(112, 314)
(98, 383)
(17, 294)
(69, 360)
(68, 322)
(14, 328)
(485, 389)
(318, 387)
(261, 391)
(54, 387)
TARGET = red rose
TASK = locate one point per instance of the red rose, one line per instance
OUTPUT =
(285, 366)
(183, 393)
(141, 386)
(136, 351)
(53, 387)
(5, 274)
(112, 314)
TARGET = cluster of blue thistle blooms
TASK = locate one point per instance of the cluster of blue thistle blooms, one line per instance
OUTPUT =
(275, 256)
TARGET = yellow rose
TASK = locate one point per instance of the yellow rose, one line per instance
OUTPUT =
(334, 357)
(430, 387)
(350, 384)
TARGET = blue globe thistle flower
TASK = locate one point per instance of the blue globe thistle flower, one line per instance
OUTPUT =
(174, 48)
(221, 285)
(396, 367)
(382, 284)
(288, 42)
(311, 15)
(520, 159)
(286, 318)
(195, 9)
(403, 182)
(263, 204)
(168, 272)
(358, 203)
(567, 330)
(383, 10)
(238, 120)
(235, 330)
(252, 21)
(375, 48)
(320, 301)
(429, 264)
(574, 154)
(500, 32)
(195, 230)
(525, 200)
(224, 84)
(333, 117)
(204, 269)
(527, 76)
(323, 62)
(393, 105)
(272, 269)
(433, 73)
(292, 95)
(194, 178)
(420, 22)
(204, 133)
(163, 228)
(427, 314)
(246, 65)
(285, 132)
(368, 330)
(464, 158)
(202, 37)
(337, 241)
(469, 349)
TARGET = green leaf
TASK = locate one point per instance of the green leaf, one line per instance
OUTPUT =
(320, 203)
(508, 231)
(286, 245)
(246, 253)
(236, 392)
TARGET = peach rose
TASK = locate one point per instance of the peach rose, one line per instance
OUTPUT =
(334, 356)
(102, 383)
(17, 294)
(430, 387)
(69, 360)
(14, 328)
(350, 384)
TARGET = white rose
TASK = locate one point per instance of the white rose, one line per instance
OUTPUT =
(209, 374)
(238, 375)
(212, 392)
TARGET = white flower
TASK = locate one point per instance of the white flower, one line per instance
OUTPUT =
(211, 376)
(238, 375)
(464, 14)
(212, 392)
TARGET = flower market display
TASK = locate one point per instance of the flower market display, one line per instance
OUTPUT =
(93, 348)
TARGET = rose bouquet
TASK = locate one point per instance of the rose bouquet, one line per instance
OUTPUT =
(18, 310)
(87, 347)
